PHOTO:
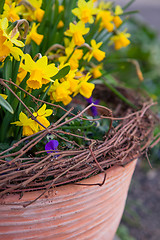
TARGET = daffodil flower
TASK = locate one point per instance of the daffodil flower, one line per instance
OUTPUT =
(41, 115)
(40, 71)
(60, 24)
(29, 125)
(76, 55)
(62, 92)
(106, 20)
(7, 42)
(8, 34)
(33, 35)
(7, 48)
(117, 20)
(96, 71)
(21, 73)
(118, 10)
(84, 87)
(95, 52)
(60, 8)
(121, 40)
(11, 12)
(85, 11)
(76, 31)
(32, 10)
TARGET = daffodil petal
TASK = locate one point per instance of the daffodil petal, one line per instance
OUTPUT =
(41, 111)
(51, 70)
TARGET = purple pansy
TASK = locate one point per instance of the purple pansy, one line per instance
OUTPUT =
(51, 145)
(93, 109)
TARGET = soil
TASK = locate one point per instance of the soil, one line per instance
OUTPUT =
(142, 212)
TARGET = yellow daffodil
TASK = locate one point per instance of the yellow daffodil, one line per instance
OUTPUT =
(7, 48)
(41, 115)
(40, 71)
(95, 52)
(70, 77)
(74, 60)
(39, 13)
(60, 92)
(33, 35)
(70, 86)
(29, 125)
(8, 34)
(85, 11)
(84, 87)
(106, 20)
(118, 10)
(76, 31)
(117, 20)
(76, 55)
(121, 40)
(6, 42)
(73, 84)
(32, 10)
(11, 12)
(60, 24)
(60, 8)
(4, 50)
(96, 71)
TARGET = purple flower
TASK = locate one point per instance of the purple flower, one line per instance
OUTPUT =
(93, 109)
(51, 145)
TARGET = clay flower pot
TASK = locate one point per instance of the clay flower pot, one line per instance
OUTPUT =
(71, 211)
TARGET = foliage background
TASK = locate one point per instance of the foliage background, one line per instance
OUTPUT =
(140, 217)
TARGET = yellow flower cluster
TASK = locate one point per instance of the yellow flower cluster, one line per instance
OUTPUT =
(29, 10)
(73, 83)
(80, 50)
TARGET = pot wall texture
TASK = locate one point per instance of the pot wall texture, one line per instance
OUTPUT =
(70, 212)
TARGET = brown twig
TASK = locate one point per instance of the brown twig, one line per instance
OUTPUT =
(123, 144)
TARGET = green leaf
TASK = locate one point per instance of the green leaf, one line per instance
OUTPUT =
(4, 146)
(1, 6)
(6, 105)
(129, 13)
(62, 73)
(128, 4)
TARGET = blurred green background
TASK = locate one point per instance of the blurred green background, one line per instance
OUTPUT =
(141, 217)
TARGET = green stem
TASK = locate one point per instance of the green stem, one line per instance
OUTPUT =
(15, 69)
(7, 74)
(128, 4)
(45, 94)
(5, 126)
(129, 12)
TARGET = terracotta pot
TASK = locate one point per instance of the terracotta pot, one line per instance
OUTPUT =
(69, 212)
